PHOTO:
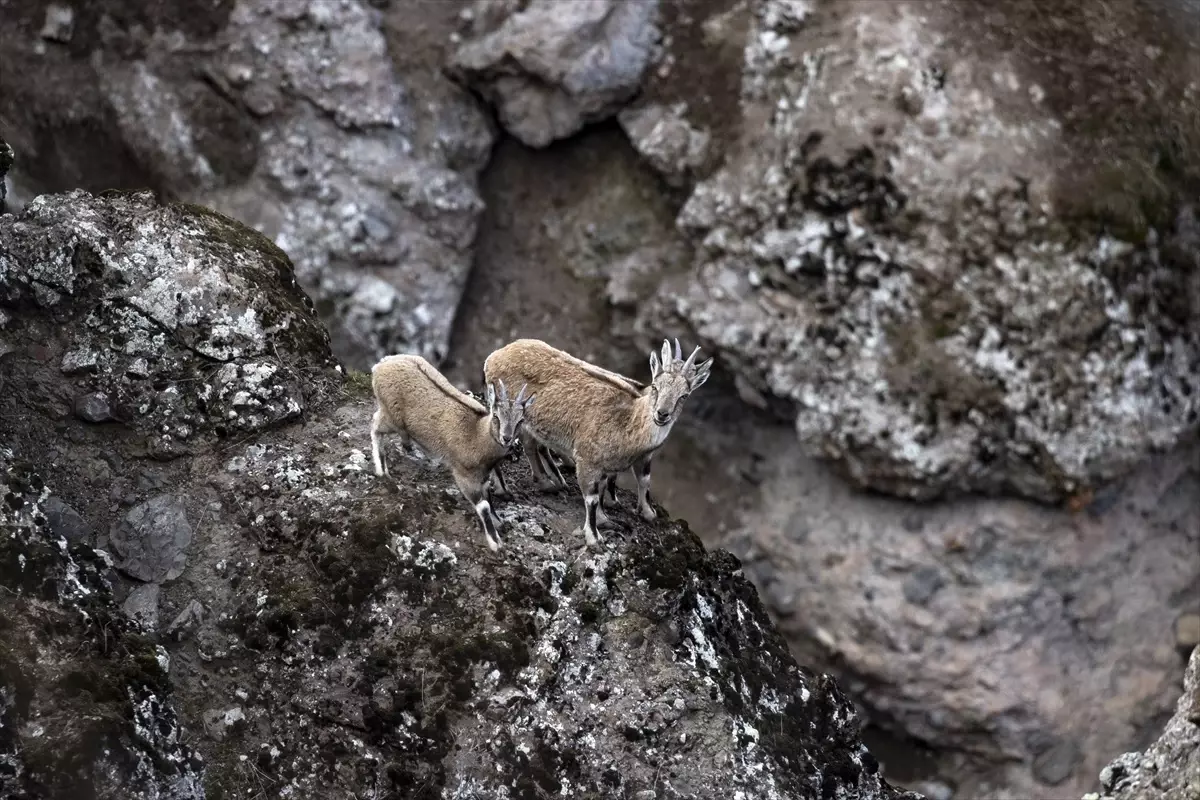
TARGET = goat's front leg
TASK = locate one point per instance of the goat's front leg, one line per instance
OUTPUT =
(590, 481)
(641, 471)
(378, 426)
(472, 489)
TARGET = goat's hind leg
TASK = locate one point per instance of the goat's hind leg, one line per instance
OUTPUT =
(542, 481)
(496, 484)
(550, 464)
(602, 519)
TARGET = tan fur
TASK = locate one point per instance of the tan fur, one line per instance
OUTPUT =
(595, 417)
(415, 401)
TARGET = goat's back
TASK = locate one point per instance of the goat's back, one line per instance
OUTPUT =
(575, 399)
(417, 397)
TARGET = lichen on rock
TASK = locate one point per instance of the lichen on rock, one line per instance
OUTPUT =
(899, 272)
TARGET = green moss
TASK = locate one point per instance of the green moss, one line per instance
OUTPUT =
(670, 568)
(358, 384)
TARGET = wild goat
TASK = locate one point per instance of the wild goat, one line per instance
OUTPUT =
(416, 402)
(596, 417)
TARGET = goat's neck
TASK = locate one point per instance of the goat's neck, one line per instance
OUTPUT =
(650, 436)
(483, 429)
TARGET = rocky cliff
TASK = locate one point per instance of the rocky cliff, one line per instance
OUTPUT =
(211, 561)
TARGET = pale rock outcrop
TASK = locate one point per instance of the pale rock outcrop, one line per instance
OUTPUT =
(550, 67)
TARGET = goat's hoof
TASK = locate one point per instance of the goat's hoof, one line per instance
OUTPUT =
(589, 542)
(650, 515)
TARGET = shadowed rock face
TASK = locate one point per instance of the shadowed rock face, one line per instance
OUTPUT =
(6, 161)
(290, 116)
(333, 634)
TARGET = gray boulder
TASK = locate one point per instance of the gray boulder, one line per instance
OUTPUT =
(189, 323)
(151, 541)
(550, 68)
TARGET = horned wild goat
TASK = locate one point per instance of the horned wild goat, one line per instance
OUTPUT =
(415, 401)
(595, 417)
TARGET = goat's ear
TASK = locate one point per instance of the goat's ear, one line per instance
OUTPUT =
(491, 397)
(654, 366)
(701, 374)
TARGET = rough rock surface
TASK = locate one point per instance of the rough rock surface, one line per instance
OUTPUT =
(337, 635)
(887, 247)
(1169, 769)
(290, 115)
(1022, 647)
(85, 702)
(191, 324)
(151, 542)
(549, 67)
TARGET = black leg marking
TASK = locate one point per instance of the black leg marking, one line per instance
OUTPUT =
(500, 484)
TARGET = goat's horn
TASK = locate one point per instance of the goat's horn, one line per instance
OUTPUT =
(691, 360)
(666, 353)
(678, 350)
(521, 394)
(503, 390)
